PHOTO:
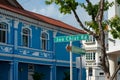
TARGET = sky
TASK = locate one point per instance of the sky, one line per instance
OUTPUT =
(39, 6)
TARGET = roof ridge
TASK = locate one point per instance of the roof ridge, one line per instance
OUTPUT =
(53, 19)
(12, 3)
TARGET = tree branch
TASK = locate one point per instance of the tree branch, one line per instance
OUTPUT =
(92, 10)
(81, 24)
(115, 72)
(88, 1)
(99, 16)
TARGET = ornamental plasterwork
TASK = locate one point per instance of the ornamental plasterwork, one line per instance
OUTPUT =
(16, 22)
(54, 34)
(6, 49)
(3, 19)
(35, 53)
(24, 52)
(43, 54)
(44, 30)
(36, 27)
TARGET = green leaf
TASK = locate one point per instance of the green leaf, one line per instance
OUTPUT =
(118, 1)
(115, 26)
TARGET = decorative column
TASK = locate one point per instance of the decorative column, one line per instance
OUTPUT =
(15, 34)
(15, 70)
(53, 72)
(11, 71)
(53, 66)
(87, 74)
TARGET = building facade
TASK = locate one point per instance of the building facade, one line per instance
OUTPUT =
(27, 45)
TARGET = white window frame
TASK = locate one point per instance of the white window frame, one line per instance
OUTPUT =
(91, 39)
(28, 35)
(47, 41)
(5, 30)
(90, 56)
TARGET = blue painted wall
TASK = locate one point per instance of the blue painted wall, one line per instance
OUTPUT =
(36, 42)
(60, 72)
(4, 70)
(55, 52)
(23, 71)
(43, 69)
(83, 74)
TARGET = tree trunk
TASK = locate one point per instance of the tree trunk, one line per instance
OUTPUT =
(99, 37)
(107, 76)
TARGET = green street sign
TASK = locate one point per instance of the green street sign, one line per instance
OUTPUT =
(77, 50)
(71, 38)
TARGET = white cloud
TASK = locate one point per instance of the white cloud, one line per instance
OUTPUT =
(49, 10)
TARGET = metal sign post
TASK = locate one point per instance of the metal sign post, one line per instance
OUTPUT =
(80, 67)
(71, 62)
(69, 49)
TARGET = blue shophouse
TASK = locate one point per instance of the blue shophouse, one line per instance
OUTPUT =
(27, 45)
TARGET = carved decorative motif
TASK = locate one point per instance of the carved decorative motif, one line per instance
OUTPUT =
(29, 52)
(6, 49)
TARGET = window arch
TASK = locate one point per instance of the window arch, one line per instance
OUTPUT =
(3, 32)
(44, 38)
(25, 37)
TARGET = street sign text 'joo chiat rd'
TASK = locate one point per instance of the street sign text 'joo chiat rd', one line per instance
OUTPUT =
(71, 38)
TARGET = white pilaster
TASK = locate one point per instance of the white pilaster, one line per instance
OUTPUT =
(97, 58)
(15, 33)
(86, 74)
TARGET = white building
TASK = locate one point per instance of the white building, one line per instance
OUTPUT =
(114, 44)
(93, 70)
